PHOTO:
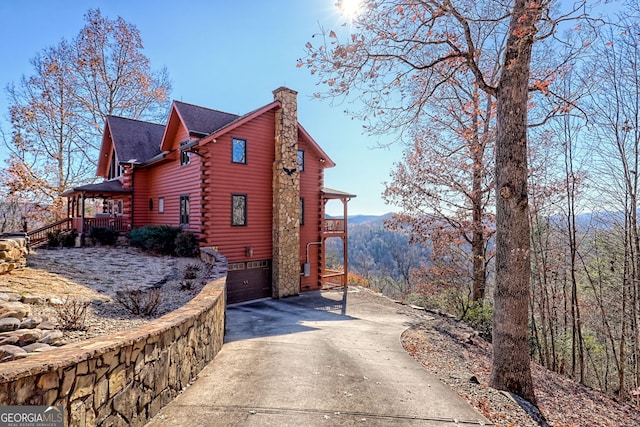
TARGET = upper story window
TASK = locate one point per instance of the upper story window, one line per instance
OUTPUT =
(115, 169)
(184, 209)
(185, 157)
(238, 209)
(301, 160)
(238, 150)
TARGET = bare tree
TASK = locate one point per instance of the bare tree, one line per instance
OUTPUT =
(400, 43)
(615, 113)
(57, 113)
(444, 183)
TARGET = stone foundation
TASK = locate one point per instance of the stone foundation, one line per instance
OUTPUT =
(13, 252)
(122, 379)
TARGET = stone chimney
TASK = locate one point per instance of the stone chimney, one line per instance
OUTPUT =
(286, 197)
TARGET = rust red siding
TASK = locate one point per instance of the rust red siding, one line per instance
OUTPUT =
(211, 180)
(311, 181)
(168, 180)
(222, 178)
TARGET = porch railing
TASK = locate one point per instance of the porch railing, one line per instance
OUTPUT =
(116, 224)
(40, 236)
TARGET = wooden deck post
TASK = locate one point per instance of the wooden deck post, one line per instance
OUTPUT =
(82, 230)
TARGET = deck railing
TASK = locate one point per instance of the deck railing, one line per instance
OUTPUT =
(333, 225)
(333, 279)
(40, 235)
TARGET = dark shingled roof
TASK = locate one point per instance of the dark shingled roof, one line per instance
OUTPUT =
(337, 193)
(135, 139)
(203, 120)
(114, 186)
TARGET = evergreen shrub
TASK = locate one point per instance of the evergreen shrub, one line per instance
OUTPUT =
(164, 240)
(186, 244)
(480, 317)
(103, 235)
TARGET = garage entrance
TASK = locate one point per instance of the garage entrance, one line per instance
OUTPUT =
(248, 281)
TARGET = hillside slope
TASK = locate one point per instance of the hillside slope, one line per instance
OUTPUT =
(452, 351)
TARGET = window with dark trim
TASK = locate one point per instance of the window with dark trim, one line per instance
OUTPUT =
(184, 209)
(239, 150)
(301, 210)
(185, 157)
(238, 209)
(115, 168)
(301, 160)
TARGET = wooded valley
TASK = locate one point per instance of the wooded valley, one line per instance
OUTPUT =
(584, 298)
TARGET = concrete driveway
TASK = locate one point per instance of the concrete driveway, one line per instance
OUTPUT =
(321, 359)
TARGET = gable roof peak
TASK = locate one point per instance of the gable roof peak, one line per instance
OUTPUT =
(202, 120)
(146, 122)
(134, 139)
(189, 104)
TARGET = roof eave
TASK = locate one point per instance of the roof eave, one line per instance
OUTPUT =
(239, 121)
(155, 159)
(328, 163)
(330, 192)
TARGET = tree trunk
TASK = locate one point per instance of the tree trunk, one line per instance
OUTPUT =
(511, 364)
(478, 240)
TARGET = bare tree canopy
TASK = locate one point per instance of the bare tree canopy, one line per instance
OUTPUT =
(403, 55)
(58, 112)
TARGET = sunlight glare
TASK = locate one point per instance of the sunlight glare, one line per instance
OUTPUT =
(349, 8)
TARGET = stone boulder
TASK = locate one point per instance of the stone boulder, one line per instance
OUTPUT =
(13, 253)
(11, 352)
(8, 324)
(14, 309)
(21, 334)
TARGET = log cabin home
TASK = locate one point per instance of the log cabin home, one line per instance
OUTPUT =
(251, 186)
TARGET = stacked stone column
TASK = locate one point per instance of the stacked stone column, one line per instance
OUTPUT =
(286, 197)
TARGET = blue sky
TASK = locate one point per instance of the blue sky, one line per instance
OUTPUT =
(228, 55)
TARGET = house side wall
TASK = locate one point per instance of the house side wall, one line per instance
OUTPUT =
(311, 181)
(168, 181)
(222, 178)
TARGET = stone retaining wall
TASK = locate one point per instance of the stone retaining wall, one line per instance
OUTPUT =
(13, 252)
(122, 379)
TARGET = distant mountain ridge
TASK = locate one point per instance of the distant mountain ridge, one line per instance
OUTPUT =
(364, 219)
(598, 218)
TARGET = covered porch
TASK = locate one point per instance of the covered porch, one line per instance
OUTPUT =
(332, 277)
(113, 210)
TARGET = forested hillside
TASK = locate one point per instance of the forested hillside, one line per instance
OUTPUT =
(384, 258)
(583, 309)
